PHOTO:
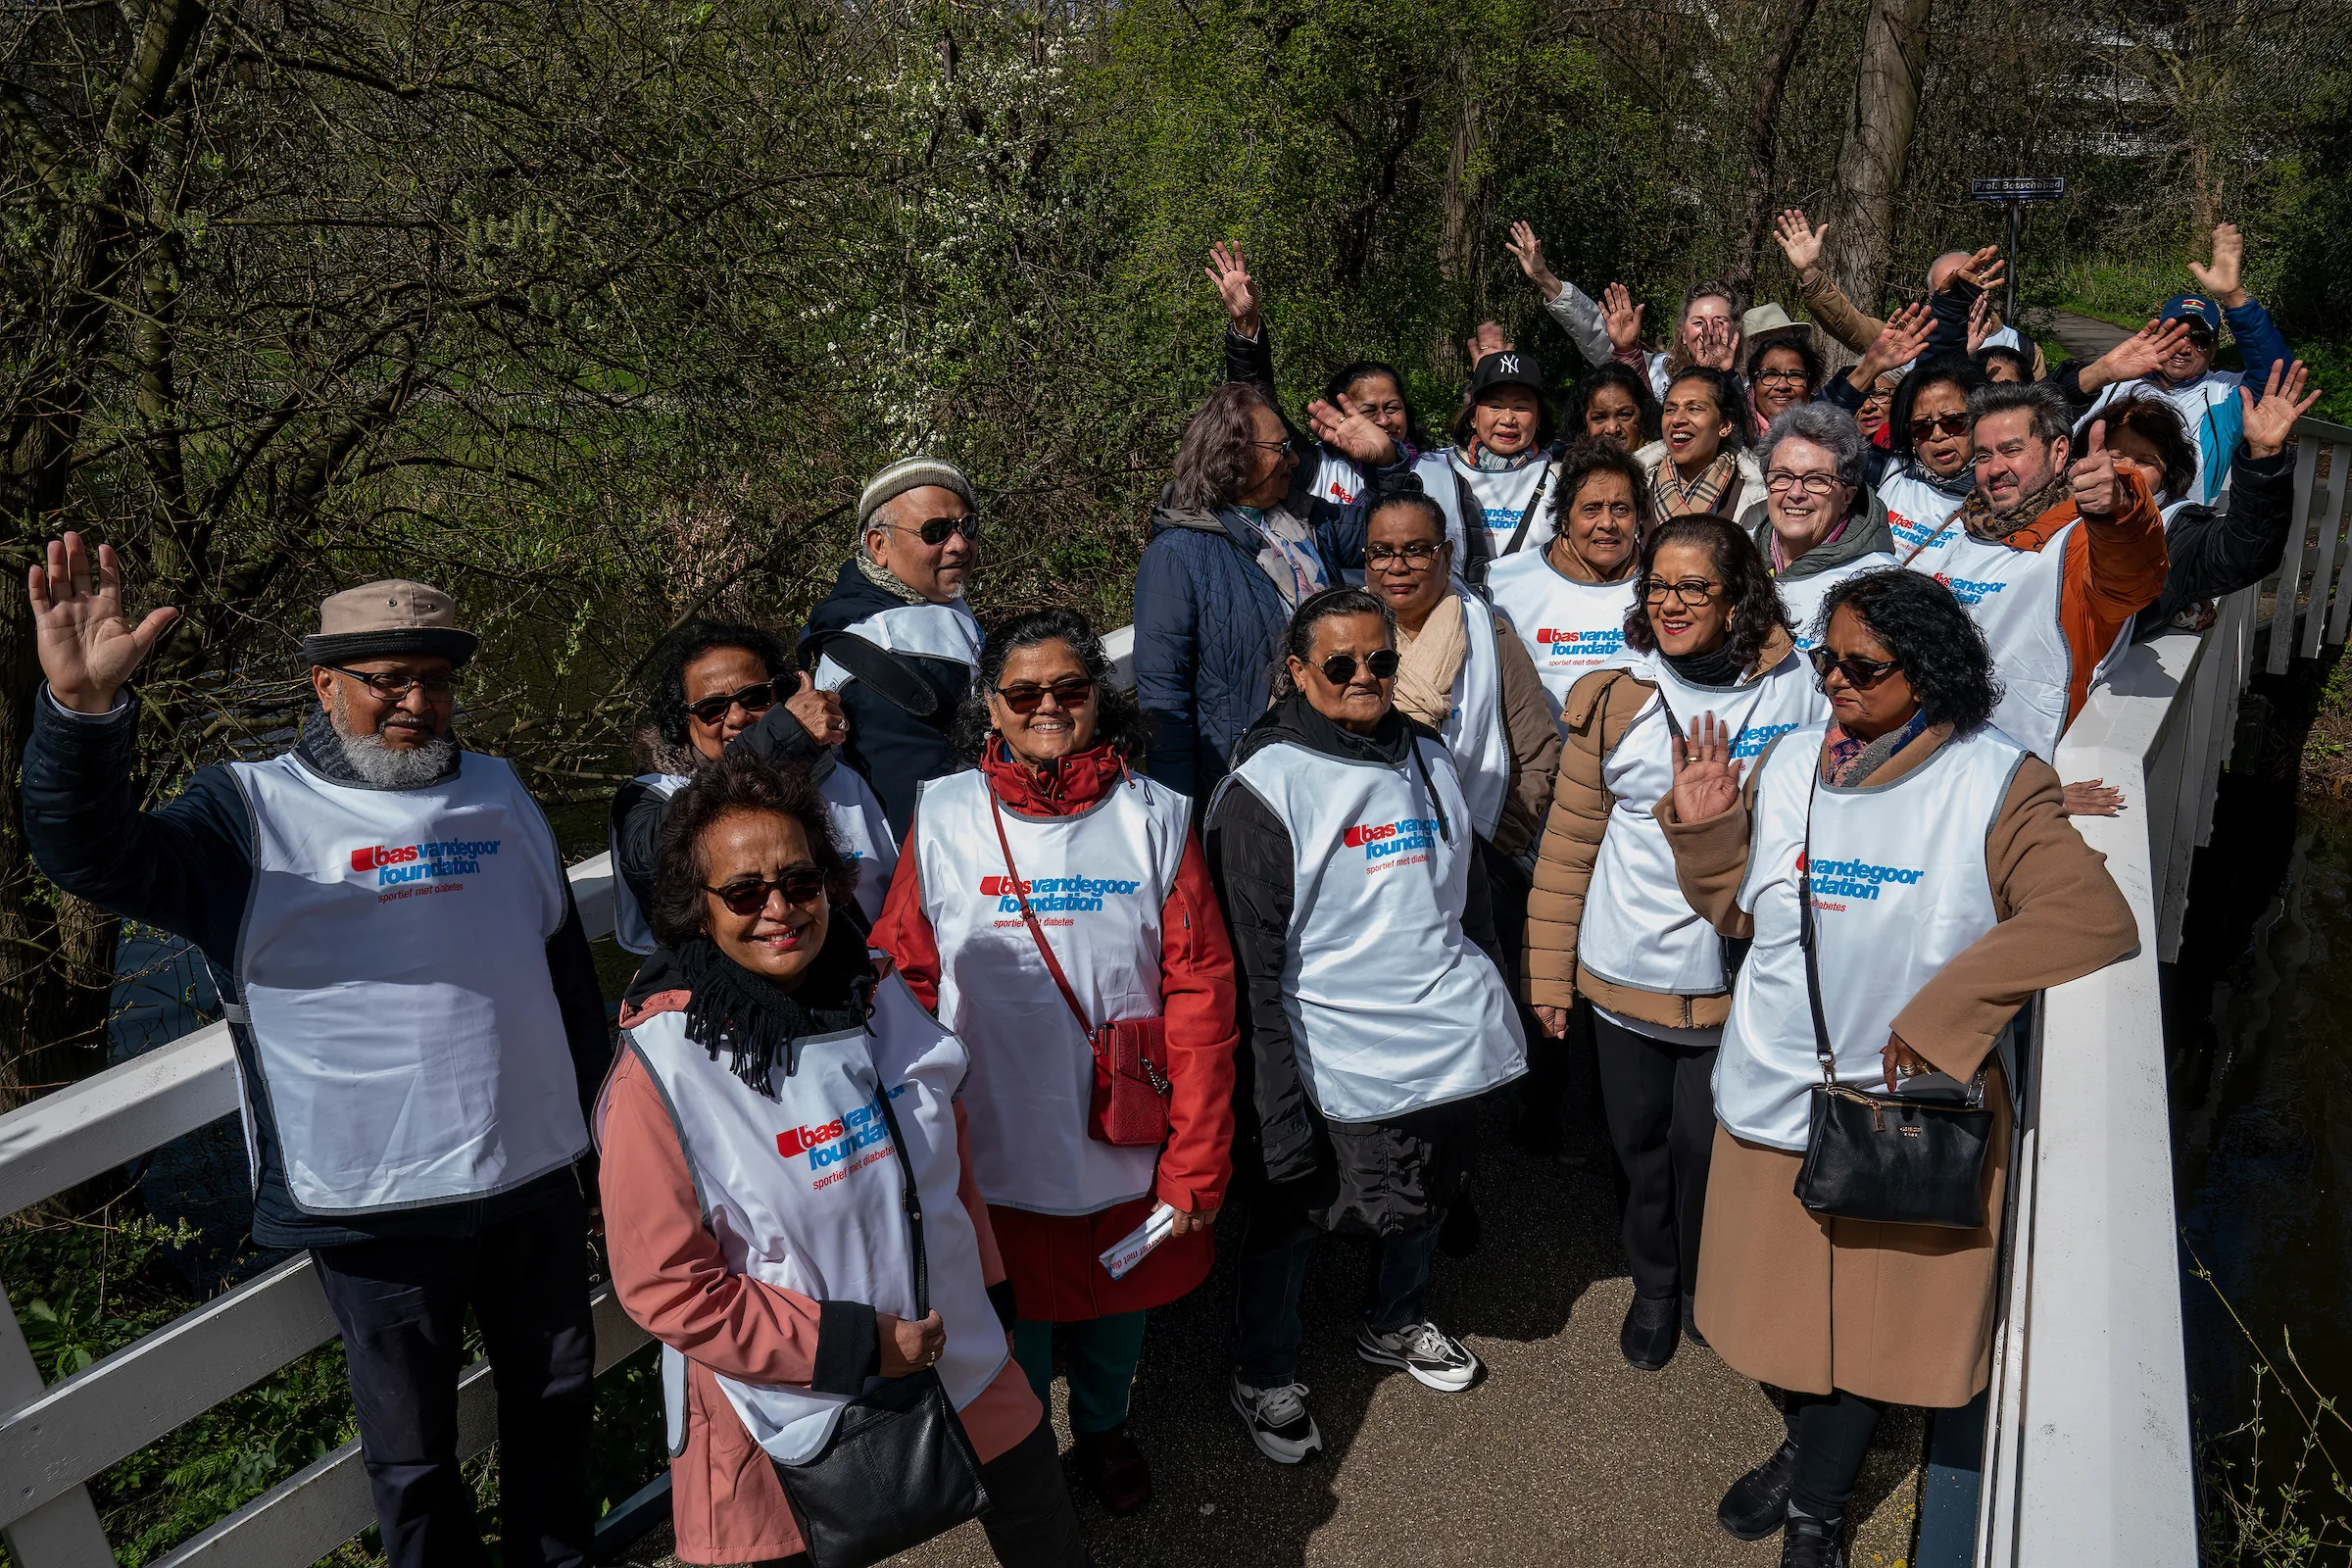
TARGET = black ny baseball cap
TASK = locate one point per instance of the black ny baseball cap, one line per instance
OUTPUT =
(1508, 367)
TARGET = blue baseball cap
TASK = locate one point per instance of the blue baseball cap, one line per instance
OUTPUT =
(2192, 308)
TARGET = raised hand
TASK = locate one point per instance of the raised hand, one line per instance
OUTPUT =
(1982, 271)
(1718, 342)
(2221, 279)
(1980, 322)
(2091, 476)
(1488, 339)
(1901, 340)
(2271, 416)
(1621, 317)
(2137, 354)
(87, 649)
(1353, 431)
(2092, 796)
(1229, 271)
(1798, 242)
(819, 713)
(1529, 252)
(1706, 781)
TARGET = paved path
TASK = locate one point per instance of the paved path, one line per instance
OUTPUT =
(1564, 1455)
(2085, 337)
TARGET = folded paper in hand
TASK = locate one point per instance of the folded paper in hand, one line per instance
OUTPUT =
(1133, 1248)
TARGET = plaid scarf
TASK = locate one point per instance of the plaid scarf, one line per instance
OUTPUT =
(1676, 498)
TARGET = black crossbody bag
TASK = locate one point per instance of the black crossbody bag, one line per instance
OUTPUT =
(899, 1468)
(1893, 1159)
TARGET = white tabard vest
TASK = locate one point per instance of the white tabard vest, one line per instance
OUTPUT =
(802, 1192)
(1338, 478)
(1391, 1009)
(1915, 510)
(1803, 596)
(1474, 727)
(1097, 883)
(858, 823)
(1639, 930)
(1900, 888)
(933, 631)
(394, 958)
(1503, 497)
(2014, 597)
(1567, 628)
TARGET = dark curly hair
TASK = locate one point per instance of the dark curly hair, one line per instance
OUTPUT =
(1117, 718)
(1747, 586)
(1589, 458)
(1343, 380)
(1213, 459)
(665, 699)
(1331, 604)
(1796, 343)
(1731, 400)
(1950, 367)
(2158, 423)
(1924, 630)
(735, 781)
(1631, 382)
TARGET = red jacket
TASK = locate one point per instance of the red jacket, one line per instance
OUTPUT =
(1052, 1260)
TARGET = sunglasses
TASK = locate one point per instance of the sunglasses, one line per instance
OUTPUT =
(1860, 674)
(935, 530)
(1945, 424)
(392, 686)
(1071, 691)
(799, 884)
(1339, 669)
(758, 699)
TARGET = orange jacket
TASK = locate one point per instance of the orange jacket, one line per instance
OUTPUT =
(2113, 569)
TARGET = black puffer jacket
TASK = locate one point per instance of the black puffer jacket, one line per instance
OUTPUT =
(2213, 553)
(1379, 1178)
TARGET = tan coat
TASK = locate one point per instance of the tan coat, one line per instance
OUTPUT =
(1896, 1313)
(1599, 708)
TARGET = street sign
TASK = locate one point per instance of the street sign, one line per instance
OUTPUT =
(2027, 189)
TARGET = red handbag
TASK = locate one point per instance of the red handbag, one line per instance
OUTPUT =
(1130, 1103)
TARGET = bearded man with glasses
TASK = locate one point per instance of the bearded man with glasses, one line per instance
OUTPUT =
(895, 637)
(414, 1010)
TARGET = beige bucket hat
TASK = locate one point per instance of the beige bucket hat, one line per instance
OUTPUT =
(392, 617)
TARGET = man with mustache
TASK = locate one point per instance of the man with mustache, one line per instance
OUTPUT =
(415, 1012)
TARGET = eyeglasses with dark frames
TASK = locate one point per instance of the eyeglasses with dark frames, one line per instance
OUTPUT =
(1026, 697)
(754, 699)
(1694, 592)
(1812, 485)
(1413, 556)
(1782, 378)
(391, 685)
(1860, 674)
(799, 884)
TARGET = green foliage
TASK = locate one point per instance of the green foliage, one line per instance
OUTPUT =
(2259, 1509)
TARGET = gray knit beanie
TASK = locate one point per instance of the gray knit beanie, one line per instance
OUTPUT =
(911, 473)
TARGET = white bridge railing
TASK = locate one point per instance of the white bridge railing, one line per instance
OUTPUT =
(2087, 1452)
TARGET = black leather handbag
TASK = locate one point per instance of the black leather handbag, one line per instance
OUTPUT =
(1895, 1159)
(899, 1468)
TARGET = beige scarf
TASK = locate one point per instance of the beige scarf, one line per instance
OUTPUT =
(1429, 665)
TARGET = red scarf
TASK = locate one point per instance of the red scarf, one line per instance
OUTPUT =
(1061, 787)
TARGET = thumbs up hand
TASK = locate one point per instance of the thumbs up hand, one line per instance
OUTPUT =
(2092, 475)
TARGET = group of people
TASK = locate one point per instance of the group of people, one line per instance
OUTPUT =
(1708, 736)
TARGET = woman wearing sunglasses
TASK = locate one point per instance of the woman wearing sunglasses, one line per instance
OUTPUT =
(1375, 1012)
(1707, 635)
(1947, 887)
(1050, 824)
(715, 685)
(1928, 470)
(774, 1101)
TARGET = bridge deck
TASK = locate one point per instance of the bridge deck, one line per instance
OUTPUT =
(1564, 1455)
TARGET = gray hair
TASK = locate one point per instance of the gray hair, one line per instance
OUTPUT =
(1942, 257)
(2052, 419)
(1828, 428)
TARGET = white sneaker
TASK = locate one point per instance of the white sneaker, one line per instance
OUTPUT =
(1278, 1421)
(1435, 1358)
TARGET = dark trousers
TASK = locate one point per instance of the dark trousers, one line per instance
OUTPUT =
(401, 1303)
(1271, 1271)
(1030, 1521)
(1833, 1437)
(1660, 1108)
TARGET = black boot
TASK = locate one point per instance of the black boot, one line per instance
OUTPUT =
(1690, 1333)
(1809, 1543)
(1758, 1502)
(1652, 1326)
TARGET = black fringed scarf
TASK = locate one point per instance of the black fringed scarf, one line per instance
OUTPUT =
(756, 1021)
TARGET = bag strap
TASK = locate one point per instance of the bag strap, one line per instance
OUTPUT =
(1552, 455)
(910, 1197)
(1805, 939)
(884, 671)
(1037, 933)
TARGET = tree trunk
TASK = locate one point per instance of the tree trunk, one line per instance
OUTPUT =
(1877, 142)
(1457, 221)
(1763, 149)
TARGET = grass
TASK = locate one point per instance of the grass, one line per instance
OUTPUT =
(2271, 1493)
